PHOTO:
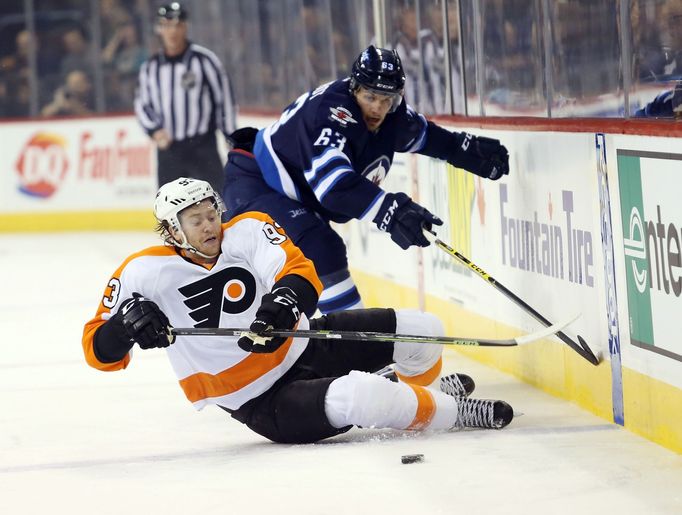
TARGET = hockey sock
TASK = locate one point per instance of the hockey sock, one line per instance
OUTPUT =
(425, 379)
(417, 363)
(340, 293)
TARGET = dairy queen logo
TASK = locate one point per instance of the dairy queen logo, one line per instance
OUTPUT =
(42, 165)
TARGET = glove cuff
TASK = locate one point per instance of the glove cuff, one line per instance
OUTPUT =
(306, 293)
(111, 343)
(390, 205)
(441, 143)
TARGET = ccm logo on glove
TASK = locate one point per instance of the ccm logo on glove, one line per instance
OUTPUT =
(466, 141)
(388, 215)
(286, 297)
(405, 220)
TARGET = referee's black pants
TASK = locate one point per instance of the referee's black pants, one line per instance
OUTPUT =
(195, 157)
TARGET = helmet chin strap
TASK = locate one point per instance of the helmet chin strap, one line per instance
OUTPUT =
(184, 244)
(191, 249)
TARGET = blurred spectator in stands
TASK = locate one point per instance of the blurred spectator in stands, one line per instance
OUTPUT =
(124, 52)
(649, 53)
(73, 98)
(18, 62)
(672, 38)
(587, 49)
(343, 51)
(122, 57)
(113, 14)
(77, 51)
(406, 43)
(4, 98)
(346, 47)
(510, 34)
(317, 40)
(520, 35)
(17, 73)
(273, 92)
(658, 42)
(19, 97)
(434, 101)
(312, 32)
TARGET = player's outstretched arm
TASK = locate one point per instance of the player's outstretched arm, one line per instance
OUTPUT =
(485, 157)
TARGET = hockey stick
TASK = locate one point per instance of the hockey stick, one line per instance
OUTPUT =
(583, 349)
(375, 337)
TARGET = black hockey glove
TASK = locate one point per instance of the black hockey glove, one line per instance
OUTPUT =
(278, 310)
(404, 220)
(485, 157)
(145, 323)
(243, 139)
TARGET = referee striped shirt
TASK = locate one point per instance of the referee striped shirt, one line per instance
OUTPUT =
(188, 95)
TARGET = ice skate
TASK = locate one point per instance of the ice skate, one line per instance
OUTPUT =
(457, 385)
(483, 413)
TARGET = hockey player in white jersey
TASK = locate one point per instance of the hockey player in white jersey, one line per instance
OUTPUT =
(248, 273)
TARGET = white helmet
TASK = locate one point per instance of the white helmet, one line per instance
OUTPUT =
(177, 195)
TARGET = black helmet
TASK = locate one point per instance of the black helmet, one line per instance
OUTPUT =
(172, 11)
(378, 69)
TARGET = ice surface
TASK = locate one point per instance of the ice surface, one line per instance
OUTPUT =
(75, 440)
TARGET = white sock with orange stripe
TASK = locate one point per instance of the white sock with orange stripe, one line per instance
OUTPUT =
(417, 363)
(371, 401)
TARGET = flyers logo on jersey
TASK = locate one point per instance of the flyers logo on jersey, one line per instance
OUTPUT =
(231, 290)
(341, 115)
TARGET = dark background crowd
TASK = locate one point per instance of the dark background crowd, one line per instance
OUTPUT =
(478, 57)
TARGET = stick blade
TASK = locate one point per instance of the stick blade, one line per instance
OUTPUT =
(547, 331)
(594, 358)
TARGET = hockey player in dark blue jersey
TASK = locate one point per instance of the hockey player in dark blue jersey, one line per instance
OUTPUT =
(666, 105)
(324, 159)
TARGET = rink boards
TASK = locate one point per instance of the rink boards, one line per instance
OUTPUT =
(585, 223)
(77, 174)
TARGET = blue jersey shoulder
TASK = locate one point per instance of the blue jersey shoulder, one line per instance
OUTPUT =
(321, 153)
(337, 110)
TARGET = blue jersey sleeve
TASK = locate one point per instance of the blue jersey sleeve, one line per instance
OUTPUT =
(416, 134)
(411, 129)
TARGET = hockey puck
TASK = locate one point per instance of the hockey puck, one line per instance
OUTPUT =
(411, 458)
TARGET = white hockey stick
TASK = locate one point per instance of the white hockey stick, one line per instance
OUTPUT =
(376, 337)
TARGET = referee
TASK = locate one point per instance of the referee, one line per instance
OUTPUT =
(183, 96)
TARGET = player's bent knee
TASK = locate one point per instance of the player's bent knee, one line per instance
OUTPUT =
(413, 321)
(368, 400)
(419, 361)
